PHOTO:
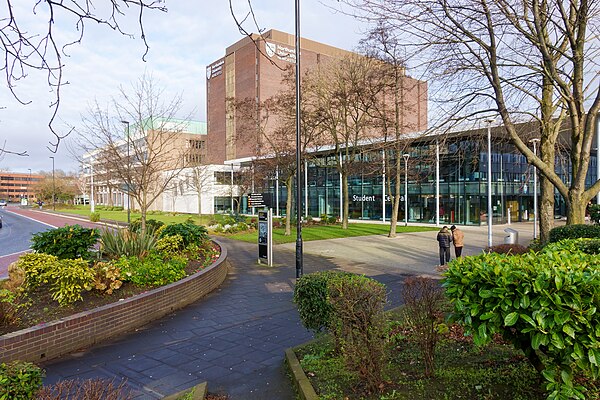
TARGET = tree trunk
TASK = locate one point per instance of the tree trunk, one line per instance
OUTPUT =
(345, 205)
(199, 203)
(395, 200)
(575, 208)
(394, 216)
(546, 208)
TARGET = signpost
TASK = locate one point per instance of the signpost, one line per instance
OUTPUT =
(265, 236)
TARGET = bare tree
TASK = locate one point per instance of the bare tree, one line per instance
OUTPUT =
(343, 95)
(524, 61)
(148, 155)
(391, 109)
(24, 51)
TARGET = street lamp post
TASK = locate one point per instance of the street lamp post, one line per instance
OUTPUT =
(53, 186)
(128, 180)
(406, 157)
(29, 186)
(535, 205)
(299, 257)
(92, 202)
(489, 180)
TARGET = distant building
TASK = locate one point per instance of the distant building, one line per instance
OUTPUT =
(185, 145)
(253, 69)
(15, 186)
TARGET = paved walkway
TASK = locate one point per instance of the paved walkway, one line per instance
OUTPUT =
(235, 337)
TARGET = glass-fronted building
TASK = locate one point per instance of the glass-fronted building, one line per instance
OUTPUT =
(462, 181)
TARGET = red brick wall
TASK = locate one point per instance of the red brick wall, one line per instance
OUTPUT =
(57, 338)
(268, 82)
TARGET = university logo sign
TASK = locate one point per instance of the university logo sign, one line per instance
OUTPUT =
(280, 52)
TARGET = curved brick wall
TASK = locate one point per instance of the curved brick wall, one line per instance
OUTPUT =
(44, 342)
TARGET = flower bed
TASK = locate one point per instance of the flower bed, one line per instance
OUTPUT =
(47, 341)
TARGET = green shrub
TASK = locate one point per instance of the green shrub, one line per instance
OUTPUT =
(574, 232)
(65, 279)
(311, 295)
(594, 210)
(545, 303)
(168, 246)
(95, 216)
(190, 233)
(152, 270)
(70, 241)
(68, 280)
(35, 266)
(122, 242)
(19, 380)
(152, 225)
(12, 306)
(359, 325)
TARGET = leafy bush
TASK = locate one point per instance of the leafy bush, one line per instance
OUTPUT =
(311, 295)
(423, 301)
(152, 225)
(12, 306)
(594, 210)
(168, 246)
(358, 326)
(66, 279)
(152, 270)
(90, 389)
(574, 232)
(508, 249)
(545, 303)
(122, 242)
(70, 241)
(19, 380)
(95, 216)
(107, 277)
(34, 267)
(589, 246)
(190, 233)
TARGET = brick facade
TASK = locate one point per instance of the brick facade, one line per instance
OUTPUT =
(253, 69)
(57, 338)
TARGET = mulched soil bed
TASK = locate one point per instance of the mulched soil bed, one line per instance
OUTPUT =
(44, 309)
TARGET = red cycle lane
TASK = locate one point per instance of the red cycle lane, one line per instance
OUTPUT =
(51, 219)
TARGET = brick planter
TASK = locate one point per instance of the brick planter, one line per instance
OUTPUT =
(63, 336)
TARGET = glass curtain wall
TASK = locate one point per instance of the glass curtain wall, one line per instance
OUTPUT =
(463, 185)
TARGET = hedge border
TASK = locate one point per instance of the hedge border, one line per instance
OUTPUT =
(44, 342)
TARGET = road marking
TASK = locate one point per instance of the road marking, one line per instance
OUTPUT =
(33, 219)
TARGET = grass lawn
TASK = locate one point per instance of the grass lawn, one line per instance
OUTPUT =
(309, 232)
(322, 232)
(121, 216)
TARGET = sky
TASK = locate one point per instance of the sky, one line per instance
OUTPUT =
(183, 41)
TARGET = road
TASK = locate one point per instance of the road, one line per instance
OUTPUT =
(19, 224)
(15, 235)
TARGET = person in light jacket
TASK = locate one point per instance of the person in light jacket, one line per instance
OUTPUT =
(458, 237)
(444, 238)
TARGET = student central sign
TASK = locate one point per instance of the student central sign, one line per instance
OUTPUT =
(370, 198)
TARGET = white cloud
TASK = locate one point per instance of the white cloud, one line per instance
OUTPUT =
(182, 42)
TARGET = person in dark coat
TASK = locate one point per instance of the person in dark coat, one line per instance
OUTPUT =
(444, 238)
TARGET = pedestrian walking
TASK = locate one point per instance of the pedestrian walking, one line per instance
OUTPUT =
(458, 237)
(444, 238)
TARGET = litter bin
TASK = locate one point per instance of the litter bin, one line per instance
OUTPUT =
(512, 237)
